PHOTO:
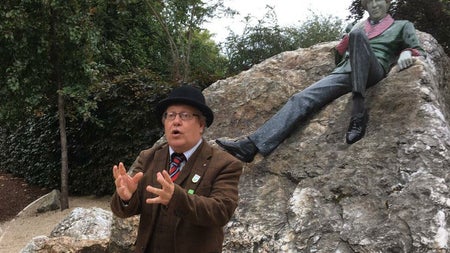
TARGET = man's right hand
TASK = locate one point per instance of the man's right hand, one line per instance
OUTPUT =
(125, 184)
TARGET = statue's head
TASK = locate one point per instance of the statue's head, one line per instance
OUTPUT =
(364, 3)
(377, 9)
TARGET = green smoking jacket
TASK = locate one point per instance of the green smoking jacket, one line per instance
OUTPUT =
(387, 46)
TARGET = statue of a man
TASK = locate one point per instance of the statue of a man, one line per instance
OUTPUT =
(365, 56)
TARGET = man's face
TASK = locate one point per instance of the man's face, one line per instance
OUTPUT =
(183, 135)
(377, 9)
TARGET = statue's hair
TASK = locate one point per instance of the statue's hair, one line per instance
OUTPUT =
(364, 3)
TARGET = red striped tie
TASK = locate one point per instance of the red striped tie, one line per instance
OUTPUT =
(174, 170)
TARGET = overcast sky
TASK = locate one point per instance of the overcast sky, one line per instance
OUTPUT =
(289, 12)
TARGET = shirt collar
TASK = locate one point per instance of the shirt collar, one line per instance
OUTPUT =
(188, 153)
(372, 22)
(386, 20)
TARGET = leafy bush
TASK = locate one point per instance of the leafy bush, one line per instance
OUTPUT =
(32, 151)
(123, 124)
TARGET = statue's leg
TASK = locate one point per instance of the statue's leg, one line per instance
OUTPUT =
(276, 129)
(366, 70)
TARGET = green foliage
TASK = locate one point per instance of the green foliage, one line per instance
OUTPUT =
(430, 16)
(44, 45)
(180, 21)
(206, 61)
(111, 62)
(267, 38)
(20, 41)
(318, 29)
(31, 151)
(125, 124)
(129, 37)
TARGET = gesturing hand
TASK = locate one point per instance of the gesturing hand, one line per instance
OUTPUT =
(165, 194)
(125, 184)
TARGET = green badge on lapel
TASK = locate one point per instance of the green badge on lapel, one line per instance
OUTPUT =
(190, 191)
(195, 178)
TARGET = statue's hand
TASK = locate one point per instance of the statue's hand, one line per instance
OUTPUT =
(405, 60)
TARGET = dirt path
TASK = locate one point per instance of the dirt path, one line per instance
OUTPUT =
(16, 233)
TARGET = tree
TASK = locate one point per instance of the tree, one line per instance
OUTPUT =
(180, 20)
(105, 64)
(56, 80)
(47, 56)
(267, 38)
(207, 64)
(318, 28)
(430, 16)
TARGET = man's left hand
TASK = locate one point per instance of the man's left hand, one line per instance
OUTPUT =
(405, 60)
(164, 195)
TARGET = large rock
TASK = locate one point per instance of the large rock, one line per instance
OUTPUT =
(123, 235)
(65, 244)
(388, 192)
(83, 230)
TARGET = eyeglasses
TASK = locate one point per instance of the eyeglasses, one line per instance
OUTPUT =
(184, 116)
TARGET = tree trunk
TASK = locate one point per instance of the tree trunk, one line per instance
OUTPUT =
(64, 157)
(187, 58)
(56, 80)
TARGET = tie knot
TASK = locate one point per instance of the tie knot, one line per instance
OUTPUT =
(178, 158)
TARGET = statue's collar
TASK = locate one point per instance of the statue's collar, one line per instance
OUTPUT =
(373, 30)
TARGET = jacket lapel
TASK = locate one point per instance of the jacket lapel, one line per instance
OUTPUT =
(373, 31)
(194, 170)
(161, 161)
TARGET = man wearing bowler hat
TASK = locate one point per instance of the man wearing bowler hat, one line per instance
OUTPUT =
(184, 190)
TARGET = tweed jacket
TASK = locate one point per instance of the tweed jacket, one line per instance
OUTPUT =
(204, 200)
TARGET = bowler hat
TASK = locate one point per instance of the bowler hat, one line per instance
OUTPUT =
(186, 95)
